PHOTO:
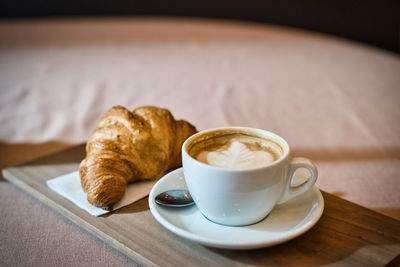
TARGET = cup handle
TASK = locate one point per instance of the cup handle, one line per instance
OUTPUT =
(293, 191)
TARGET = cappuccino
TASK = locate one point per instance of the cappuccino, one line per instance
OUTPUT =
(237, 175)
(235, 149)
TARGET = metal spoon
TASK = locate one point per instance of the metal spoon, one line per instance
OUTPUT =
(175, 198)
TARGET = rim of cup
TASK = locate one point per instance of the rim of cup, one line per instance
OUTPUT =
(263, 133)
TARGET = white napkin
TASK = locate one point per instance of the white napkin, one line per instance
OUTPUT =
(69, 186)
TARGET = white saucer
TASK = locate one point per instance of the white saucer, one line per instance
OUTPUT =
(285, 222)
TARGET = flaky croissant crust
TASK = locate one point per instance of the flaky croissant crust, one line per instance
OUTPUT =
(129, 146)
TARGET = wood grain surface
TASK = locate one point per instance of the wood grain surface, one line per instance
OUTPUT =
(346, 235)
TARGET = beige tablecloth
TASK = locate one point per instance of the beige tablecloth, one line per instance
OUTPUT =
(335, 101)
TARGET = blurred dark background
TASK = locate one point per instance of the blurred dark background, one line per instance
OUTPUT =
(372, 22)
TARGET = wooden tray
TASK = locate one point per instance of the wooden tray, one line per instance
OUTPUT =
(346, 233)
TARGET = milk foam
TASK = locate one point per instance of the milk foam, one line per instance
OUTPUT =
(237, 155)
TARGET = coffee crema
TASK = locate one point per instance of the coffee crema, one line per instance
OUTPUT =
(236, 150)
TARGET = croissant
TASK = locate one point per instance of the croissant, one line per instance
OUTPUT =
(129, 146)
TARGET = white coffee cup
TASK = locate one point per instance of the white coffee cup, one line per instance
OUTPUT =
(242, 196)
